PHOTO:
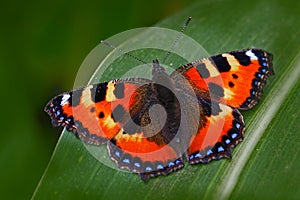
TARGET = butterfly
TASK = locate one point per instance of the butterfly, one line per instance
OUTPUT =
(151, 127)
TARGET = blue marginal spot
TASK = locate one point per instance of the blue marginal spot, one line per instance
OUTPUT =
(177, 162)
(159, 166)
(198, 155)
(117, 153)
(69, 119)
(61, 118)
(234, 135)
(220, 149)
(58, 112)
(227, 141)
(209, 152)
(171, 164)
(264, 64)
(126, 160)
(264, 70)
(137, 164)
(258, 75)
(238, 126)
(191, 157)
(148, 169)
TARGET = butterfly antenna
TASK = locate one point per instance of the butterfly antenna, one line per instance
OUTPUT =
(177, 39)
(122, 51)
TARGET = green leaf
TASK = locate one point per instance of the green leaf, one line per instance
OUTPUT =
(265, 165)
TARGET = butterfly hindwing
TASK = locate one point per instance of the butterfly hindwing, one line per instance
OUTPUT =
(221, 128)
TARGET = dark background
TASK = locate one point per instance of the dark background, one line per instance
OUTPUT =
(42, 45)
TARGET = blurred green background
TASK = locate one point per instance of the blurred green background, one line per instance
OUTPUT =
(42, 46)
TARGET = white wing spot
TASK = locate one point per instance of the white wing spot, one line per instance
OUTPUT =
(251, 55)
(64, 99)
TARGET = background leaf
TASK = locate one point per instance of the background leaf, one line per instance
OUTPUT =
(272, 167)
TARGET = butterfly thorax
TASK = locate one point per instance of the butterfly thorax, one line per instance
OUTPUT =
(162, 84)
(163, 92)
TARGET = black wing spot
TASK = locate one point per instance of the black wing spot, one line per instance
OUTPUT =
(216, 90)
(118, 113)
(235, 76)
(98, 92)
(231, 84)
(101, 114)
(242, 57)
(202, 70)
(221, 63)
(119, 90)
(75, 97)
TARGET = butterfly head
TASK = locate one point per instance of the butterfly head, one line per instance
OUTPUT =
(157, 68)
(159, 74)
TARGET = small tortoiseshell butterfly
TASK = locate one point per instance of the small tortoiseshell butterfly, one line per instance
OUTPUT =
(117, 113)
